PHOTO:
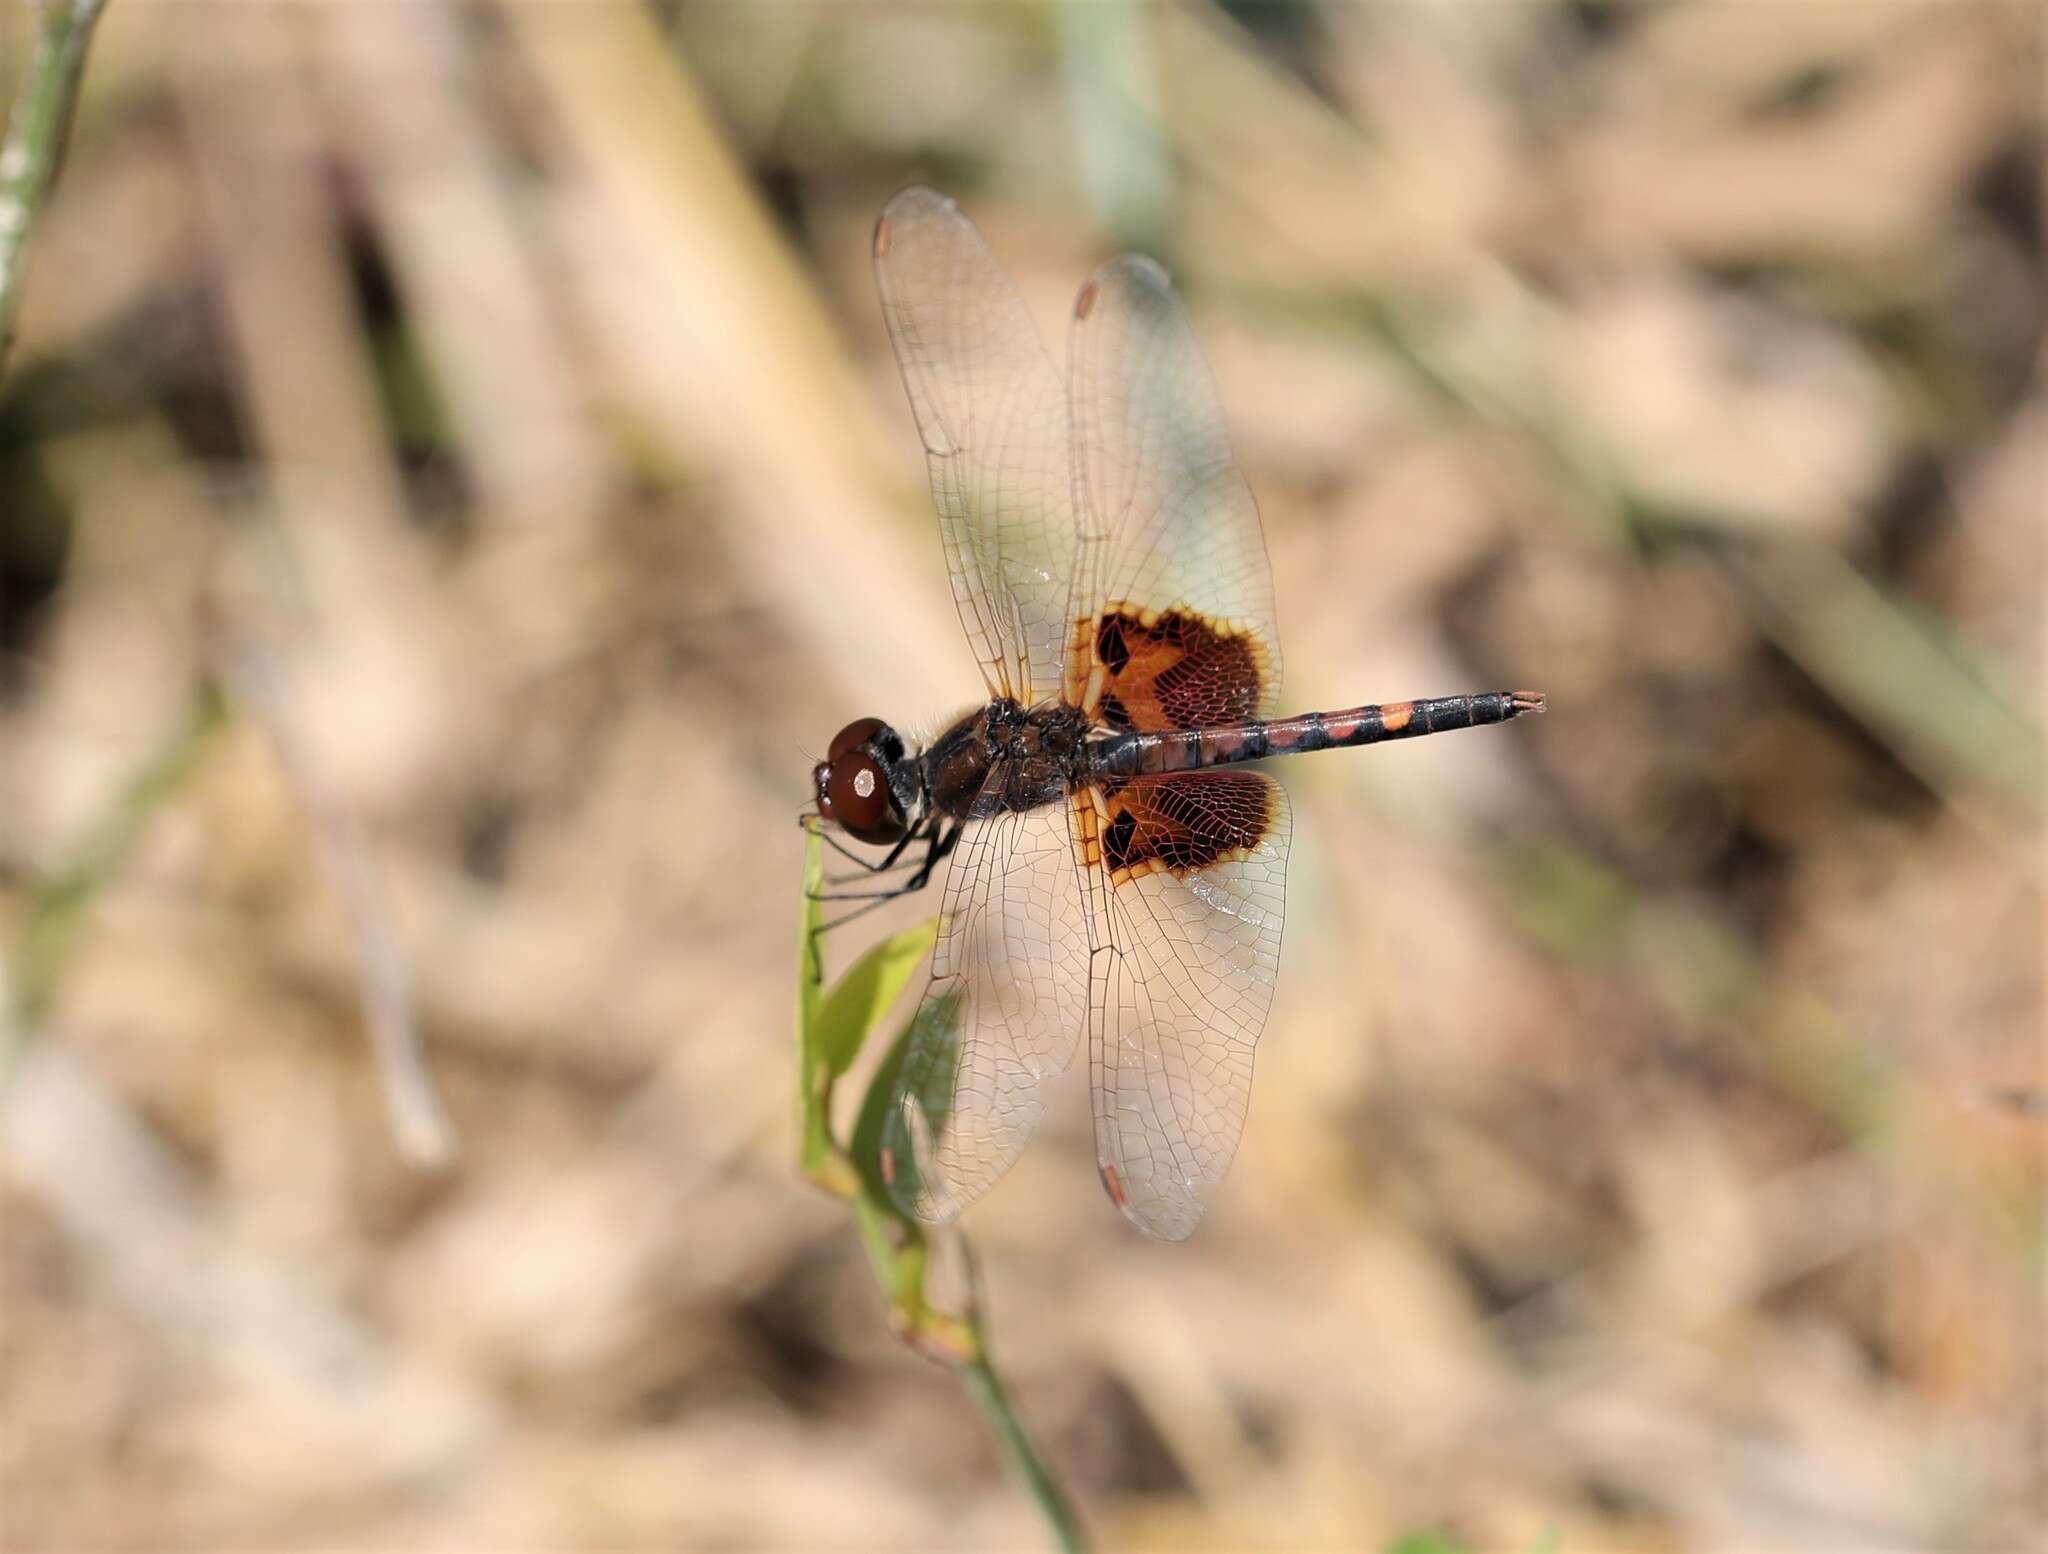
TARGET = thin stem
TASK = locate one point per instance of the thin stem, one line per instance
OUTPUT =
(35, 138)
(987, 1389)
(419, 1122)
(985, 1385)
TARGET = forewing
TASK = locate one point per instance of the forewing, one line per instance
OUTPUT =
(1187, 894)
(1168, 526)
(1004, 1011)
(992, 412)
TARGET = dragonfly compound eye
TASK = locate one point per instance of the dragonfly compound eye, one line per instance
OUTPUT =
(856, 794)
(858, 732)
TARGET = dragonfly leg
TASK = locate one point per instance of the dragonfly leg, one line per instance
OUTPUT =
(860, 911)
(943, 842)
(942, 847)
(868, 871)
(812, 823)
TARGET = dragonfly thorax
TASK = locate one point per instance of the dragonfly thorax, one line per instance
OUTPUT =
(1006, 756)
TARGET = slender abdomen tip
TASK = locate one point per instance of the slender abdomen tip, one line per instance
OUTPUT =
(1527, 701)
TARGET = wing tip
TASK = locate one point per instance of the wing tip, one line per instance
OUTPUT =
(1144, 265)
(906, 204)
(1164, 1216)
(1135, 274)
(912, 197)
(1114, 1186)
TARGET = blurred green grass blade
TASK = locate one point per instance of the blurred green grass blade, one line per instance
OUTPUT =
(1896, 668)
(415, 408)
(1568, 901)
(866, 993)
(1939, 706)
(1444, 1543)
(1110, 71)
(1426, 1543)
(928, 1052)
(59, 906)
(36, 128)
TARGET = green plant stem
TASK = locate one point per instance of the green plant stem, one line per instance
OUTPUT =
(813, 1078)
(986, 1387)
(35, 138)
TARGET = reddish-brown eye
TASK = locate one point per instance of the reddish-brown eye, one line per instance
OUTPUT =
(855, 733)
(856, 794)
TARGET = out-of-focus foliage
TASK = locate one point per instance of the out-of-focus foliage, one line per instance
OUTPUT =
(1646, 1150)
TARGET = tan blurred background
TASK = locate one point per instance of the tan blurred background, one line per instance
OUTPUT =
(491, 399)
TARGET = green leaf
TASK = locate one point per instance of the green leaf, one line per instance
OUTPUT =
(922, 1064)
(865, 994)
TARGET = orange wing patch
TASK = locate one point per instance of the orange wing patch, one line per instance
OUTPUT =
(1179, 824)
(1168, 669)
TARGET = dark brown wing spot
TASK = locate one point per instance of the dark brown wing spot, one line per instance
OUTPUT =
(1177, 669)
(1110, 647)
(1113, 712)
(1116, 841)
(1186, 822)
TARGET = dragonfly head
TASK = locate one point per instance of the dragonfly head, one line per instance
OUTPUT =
(866, 784)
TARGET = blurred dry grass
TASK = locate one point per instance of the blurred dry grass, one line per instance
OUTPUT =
(1635, 1152)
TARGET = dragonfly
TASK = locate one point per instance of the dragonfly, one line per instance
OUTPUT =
(1111, 867)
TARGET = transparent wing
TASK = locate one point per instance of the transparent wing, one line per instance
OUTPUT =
(992, 411)
(1003, 1012)
(1167, 524)
(1186, 956)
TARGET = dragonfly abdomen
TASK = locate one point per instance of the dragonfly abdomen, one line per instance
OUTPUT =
(1224, 744)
